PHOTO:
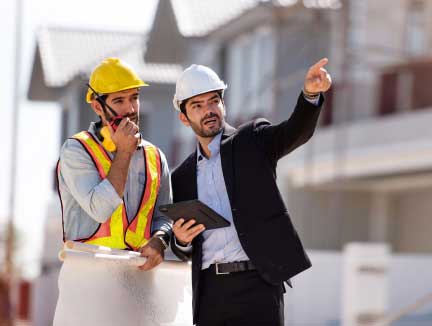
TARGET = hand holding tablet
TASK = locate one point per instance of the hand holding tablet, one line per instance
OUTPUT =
(196, 210)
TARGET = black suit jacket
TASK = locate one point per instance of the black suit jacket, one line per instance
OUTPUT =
(249, 157)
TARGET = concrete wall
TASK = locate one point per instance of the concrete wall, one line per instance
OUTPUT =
(413, 221)
(315, 299)
(328, 220)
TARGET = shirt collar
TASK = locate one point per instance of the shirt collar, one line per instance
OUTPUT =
(214, 147)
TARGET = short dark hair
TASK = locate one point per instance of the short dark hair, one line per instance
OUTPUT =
(103, 96)
(183, 103)
(183, 107)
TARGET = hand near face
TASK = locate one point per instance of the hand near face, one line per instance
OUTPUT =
(317, 79)
(126, 137)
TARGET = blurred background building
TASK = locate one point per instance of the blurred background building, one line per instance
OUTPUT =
(359, 192)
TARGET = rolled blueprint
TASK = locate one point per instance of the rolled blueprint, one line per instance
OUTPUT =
(79, 246)
(105, 287)
(123, 259)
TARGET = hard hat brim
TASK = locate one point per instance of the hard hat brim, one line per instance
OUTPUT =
(90, 92)
(177, 102)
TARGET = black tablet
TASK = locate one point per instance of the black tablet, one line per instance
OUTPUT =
(197, 210)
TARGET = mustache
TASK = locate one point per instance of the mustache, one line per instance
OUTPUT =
(131, 116)
(210, 115)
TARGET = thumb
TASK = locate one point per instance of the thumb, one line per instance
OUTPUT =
(145, 251)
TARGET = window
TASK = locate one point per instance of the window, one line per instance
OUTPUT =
(251, 62)
(326, 117)
(406, 87)
(415, 38)
(387, 101)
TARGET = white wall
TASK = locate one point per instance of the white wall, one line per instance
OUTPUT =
(315, 299)
(413, 217)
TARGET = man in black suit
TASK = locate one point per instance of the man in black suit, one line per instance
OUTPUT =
(238, 271)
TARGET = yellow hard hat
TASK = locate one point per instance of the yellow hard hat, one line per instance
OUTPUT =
(113, 75)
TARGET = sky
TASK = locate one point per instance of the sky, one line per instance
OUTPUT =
(38, 123)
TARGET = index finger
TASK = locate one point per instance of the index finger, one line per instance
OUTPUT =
(179, 222)
(188, 224)
(123, 124)
(182, 223)
(319, 64)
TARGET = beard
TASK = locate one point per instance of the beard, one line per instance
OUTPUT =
(209, 126)
(134, 117)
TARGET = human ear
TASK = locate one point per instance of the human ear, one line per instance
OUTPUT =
(184, 119)
(97, 107)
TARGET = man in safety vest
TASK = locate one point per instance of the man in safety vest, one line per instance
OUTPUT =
(110, 179)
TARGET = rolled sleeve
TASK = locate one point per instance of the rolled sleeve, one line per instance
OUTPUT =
(105, 201)
(95, 195)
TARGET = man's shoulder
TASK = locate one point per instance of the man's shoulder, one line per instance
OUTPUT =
(184, 166)
(252, 125)
(75, 141)
(70, 146)
(73, 155)
(146, 143)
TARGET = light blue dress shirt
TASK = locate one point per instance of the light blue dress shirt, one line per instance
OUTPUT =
(220, 245)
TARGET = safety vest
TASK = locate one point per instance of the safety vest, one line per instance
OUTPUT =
(117, 232)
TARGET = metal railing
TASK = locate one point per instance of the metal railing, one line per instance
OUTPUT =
(391, 318)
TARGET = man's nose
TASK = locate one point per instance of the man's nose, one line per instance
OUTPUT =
(209, 107)
(132, 107)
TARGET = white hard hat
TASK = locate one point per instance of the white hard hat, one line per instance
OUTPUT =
(194, 81)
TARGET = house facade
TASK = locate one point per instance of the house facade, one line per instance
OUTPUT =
(365, 175)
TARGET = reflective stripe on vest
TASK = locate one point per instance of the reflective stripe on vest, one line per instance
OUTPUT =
(116, 232)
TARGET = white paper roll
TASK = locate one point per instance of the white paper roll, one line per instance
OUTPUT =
(98, 289)
(75, 245)
(124, 259)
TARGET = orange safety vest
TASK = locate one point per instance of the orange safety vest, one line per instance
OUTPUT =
(117, 232)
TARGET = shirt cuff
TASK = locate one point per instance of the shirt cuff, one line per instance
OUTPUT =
(314, 101)
(165, 237)
(186, 249)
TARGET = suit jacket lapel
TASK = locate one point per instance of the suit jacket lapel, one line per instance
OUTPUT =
(190, 176)
(226, 152)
